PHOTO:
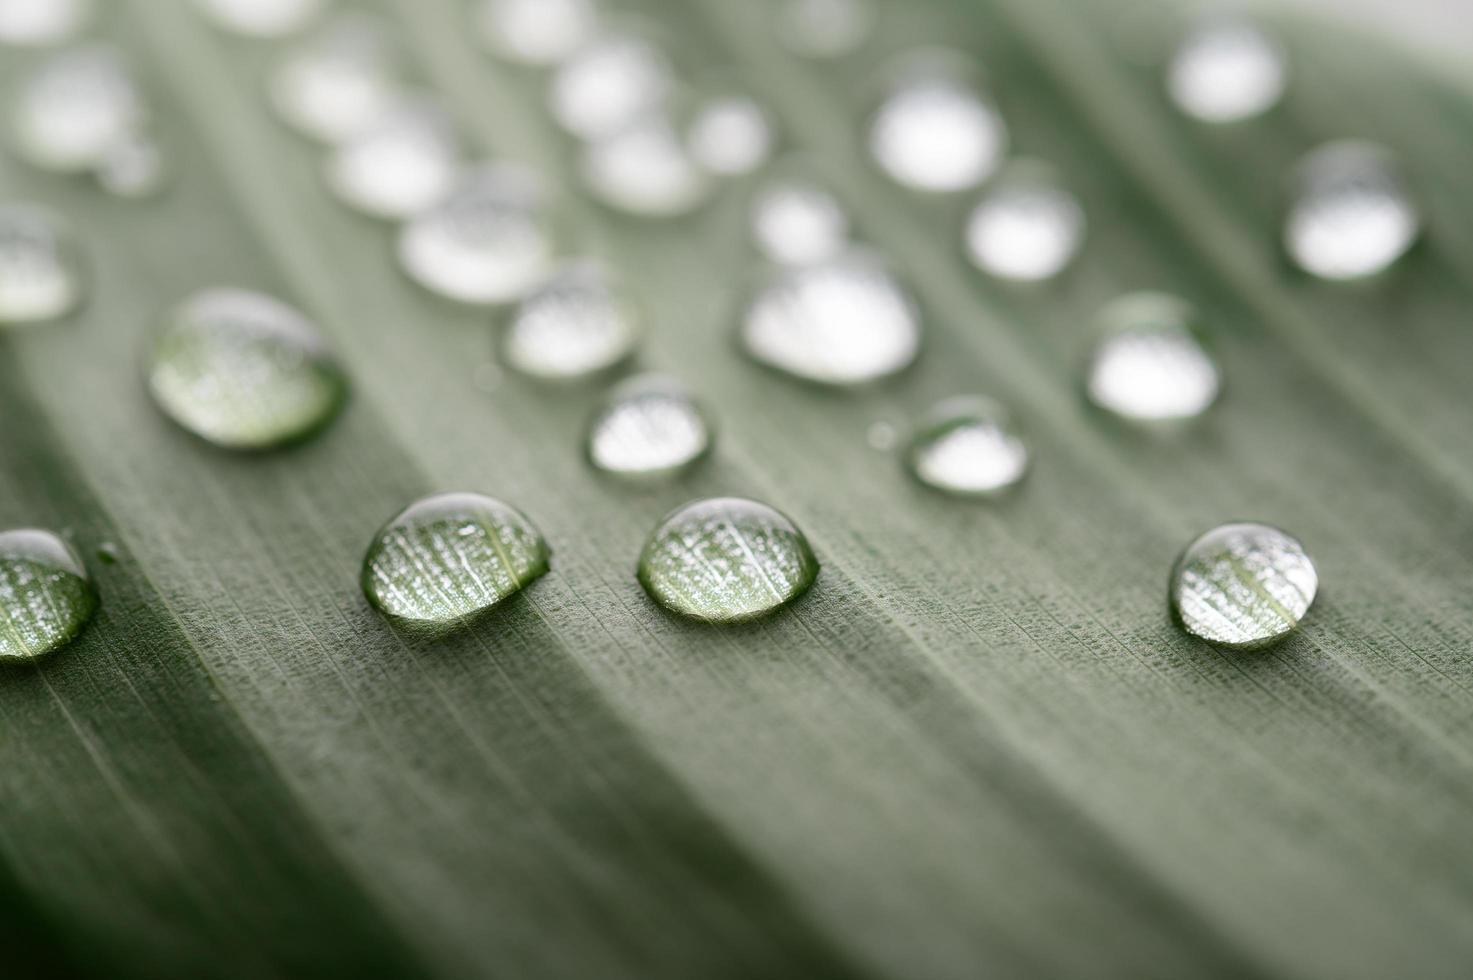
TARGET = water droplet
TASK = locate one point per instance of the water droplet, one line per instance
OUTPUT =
(261, 18)
(450, 556)
(42, 22)
(1352, 215)
(1226, 69)
(881, 436)
(108, 553)
(841, 322)
(644, 170)
(537, 32)
(934, 131)
(40, 271)
(133, 168)
(46, 595)
(797, 222)
(339, 82)
(572, 326)
(1243, 586)
(1150, 365)
(244, 371)
(75, 107)
(968, 446)
(488, 242)
(824, 28)
(609, 84)
(650, 427)
(730, 136)
(1027, 226)
(726, 560)
(408, 160)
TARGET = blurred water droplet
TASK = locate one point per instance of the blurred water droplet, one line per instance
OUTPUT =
(845, 321)
(824, 28)
(261, 18)
(134, 167)
(1243, 586)
(488, 242)
(1352, 215)
(648, 428)
(40, 270)
(644, 170)
(1027, 227)
(340, 81)
(571, 326)
(536, 32)
(608, 85)
(970, 447)
(726, 560)
(1149, 365)
(42, 22)
(1225, 70)
(46, 595)
(934, 131)
(244, 371)
(797, 222)
(730, 136)
(881, 436)
(450, 556)
(406, 161)
(75, 107)
(108, 553)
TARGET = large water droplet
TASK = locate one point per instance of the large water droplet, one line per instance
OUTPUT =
(135, 167)
(1243, 586)
(730, 135)
(261, 18)
(40, 272)
(450, 556)
(649, 428)
(1225, 70)
(934, 131)
(1150, 365)
(970, 447)
(726, 560)
(490, 241)
(340, 81)
(608, 85)
(41, 22)
(46, 595)
(75, 107)
(1352, 215)
(824, 28)
(536, 32)
(244, 371)
(797, 222)
(405, 162)
(572, 326)
(644, 170)
(1027, 226)
(841, 322)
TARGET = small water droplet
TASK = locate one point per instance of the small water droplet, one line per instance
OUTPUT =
(1225, 70)
(934, 131)
(968, 446)
(37, 23)
(46, 595)
(881, 436)
(730, 136)
(608, 85)
(824, 28)
(1150, 365)
(340, 81)
(133, 168)
(40, 271)
(649, 428)
(1027, 227)
(1352, 215)
(726, 560)
(488, 242)
(841, 322)
(244, 371)
(75, 107)
(108, 553)
(797, 222)
(450, 556)
(644, 170)
(536, 32)
(572, 326)
(1243, 586)
(261, 18)
(406, 161)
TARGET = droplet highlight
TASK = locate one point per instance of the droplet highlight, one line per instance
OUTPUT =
(75, 107)
(969, 447)
(40, 270)
(1150, 365)
(649, 428)
(934, 131)
(407, 161)
(1352, 215)
(1226, 70)
(797, 222)
(1243, 586)
(570, 327)
(46, 594)
(536, 32)
(1027, 227)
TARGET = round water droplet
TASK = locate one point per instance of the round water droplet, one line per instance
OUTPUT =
(261, 18)
(450, 556)
(1226, 70)
(797, 222)
(841, 322)
(40, 271)
(934, 131)
(649, 428)
(1150, 365)
(644, 170)
(824, 28)
(408, 160)
(489, 242)
(41, 22)
(730, 136)
(75, 107)
(1027, 226)
(726, 560)
(969, 447)
(339, 82)
(881, 436)
(608, 85)
(1243, 586)
(46, 595)
(572, 326)
(1352, 215)
(536, 32)
(133, 168)
(244, 371)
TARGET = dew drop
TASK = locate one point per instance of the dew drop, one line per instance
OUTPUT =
(244, 371)
(40, 271)
(1243, 586)
(1352, 215)
(970, 447)
(1027, 227)
(608, 85)
(41, 22)
(644, 170)
(75, 107)
(133, 168)
(408, 160)
(1149, 365)
(339, 82)
(261, 18)
(845, 321)
(825, 28)
(649, 428)
(108, 553)
(726, 560)
(449, 556)
(730, 136)
(488, 242)
(536, 32)
(934, 131)
(46, 595)
(881, 436)
(1226, 70)
(571, 326)
(797, 222)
